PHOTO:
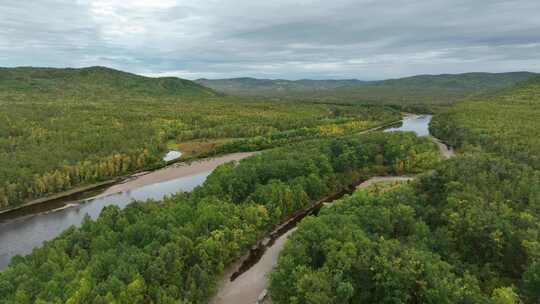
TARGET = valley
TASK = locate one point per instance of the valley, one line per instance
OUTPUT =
(269, 152)
(263, 200)
(421, 91)
(129, 124)
(250, 285)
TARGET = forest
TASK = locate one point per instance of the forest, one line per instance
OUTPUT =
(420, 90)
(174, 251)
(467, 232)
(269, 152)
(450, 237)
(506, 123)
(97, 124)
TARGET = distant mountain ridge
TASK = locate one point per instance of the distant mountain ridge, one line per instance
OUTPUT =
(444, 88)
(95, 80)
(106, 82)
(279, 84)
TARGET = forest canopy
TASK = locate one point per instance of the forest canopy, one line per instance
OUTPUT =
(506, 123)
(174, 251)
(96, 124)
(466, 233)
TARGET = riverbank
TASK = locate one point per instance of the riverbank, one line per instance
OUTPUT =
(65, 195)
(175, 171)
(445, 150)
(384, 179)
(21, 232)
(382, 126)
(249, 286)
(126, 183)
(87, 191)
(245, 281)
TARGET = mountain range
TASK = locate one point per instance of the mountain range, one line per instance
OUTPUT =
(438, 89)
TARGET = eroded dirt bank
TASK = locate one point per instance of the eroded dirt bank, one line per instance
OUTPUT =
(250, 286)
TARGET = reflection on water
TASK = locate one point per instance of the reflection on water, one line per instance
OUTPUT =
(22, 235)
(172, 155)
(415, 123)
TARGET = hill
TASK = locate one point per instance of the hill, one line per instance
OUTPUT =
(466, 232)
(97, 80)
(506, 122)
(421, 89)
(64, 128)
(275, 88)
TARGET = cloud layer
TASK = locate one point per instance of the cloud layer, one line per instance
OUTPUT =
(365, 39)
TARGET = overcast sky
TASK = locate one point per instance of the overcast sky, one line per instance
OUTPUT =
(364, 39)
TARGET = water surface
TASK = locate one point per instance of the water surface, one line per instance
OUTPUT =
(415, 123)
(20, 236)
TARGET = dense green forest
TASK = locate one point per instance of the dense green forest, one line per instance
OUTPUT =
(96, 124)
(506, 123)
(174, 251)
(415, 90)
(466, 233)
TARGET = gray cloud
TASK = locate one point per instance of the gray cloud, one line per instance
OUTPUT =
(365, 39)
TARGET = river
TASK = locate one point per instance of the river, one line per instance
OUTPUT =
(249, 287)
(21, 231)
(416, 123)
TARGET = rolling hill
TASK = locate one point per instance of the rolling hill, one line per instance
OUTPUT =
(96, 81)
(279, 87)
(421, 89)
(506, 123)
(64, 128)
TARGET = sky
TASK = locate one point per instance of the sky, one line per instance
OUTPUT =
(337, 39)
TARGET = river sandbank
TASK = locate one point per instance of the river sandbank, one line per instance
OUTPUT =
(175, 171)
(26, 229)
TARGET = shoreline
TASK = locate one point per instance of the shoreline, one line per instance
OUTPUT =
(175, 171)
(64, 195)
(249, 273)
(78, 192)
(126, 183)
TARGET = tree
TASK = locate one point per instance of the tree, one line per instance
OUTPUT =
(505, 295)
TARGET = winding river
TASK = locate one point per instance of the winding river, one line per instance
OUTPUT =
(249, 286)
(21, 231)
